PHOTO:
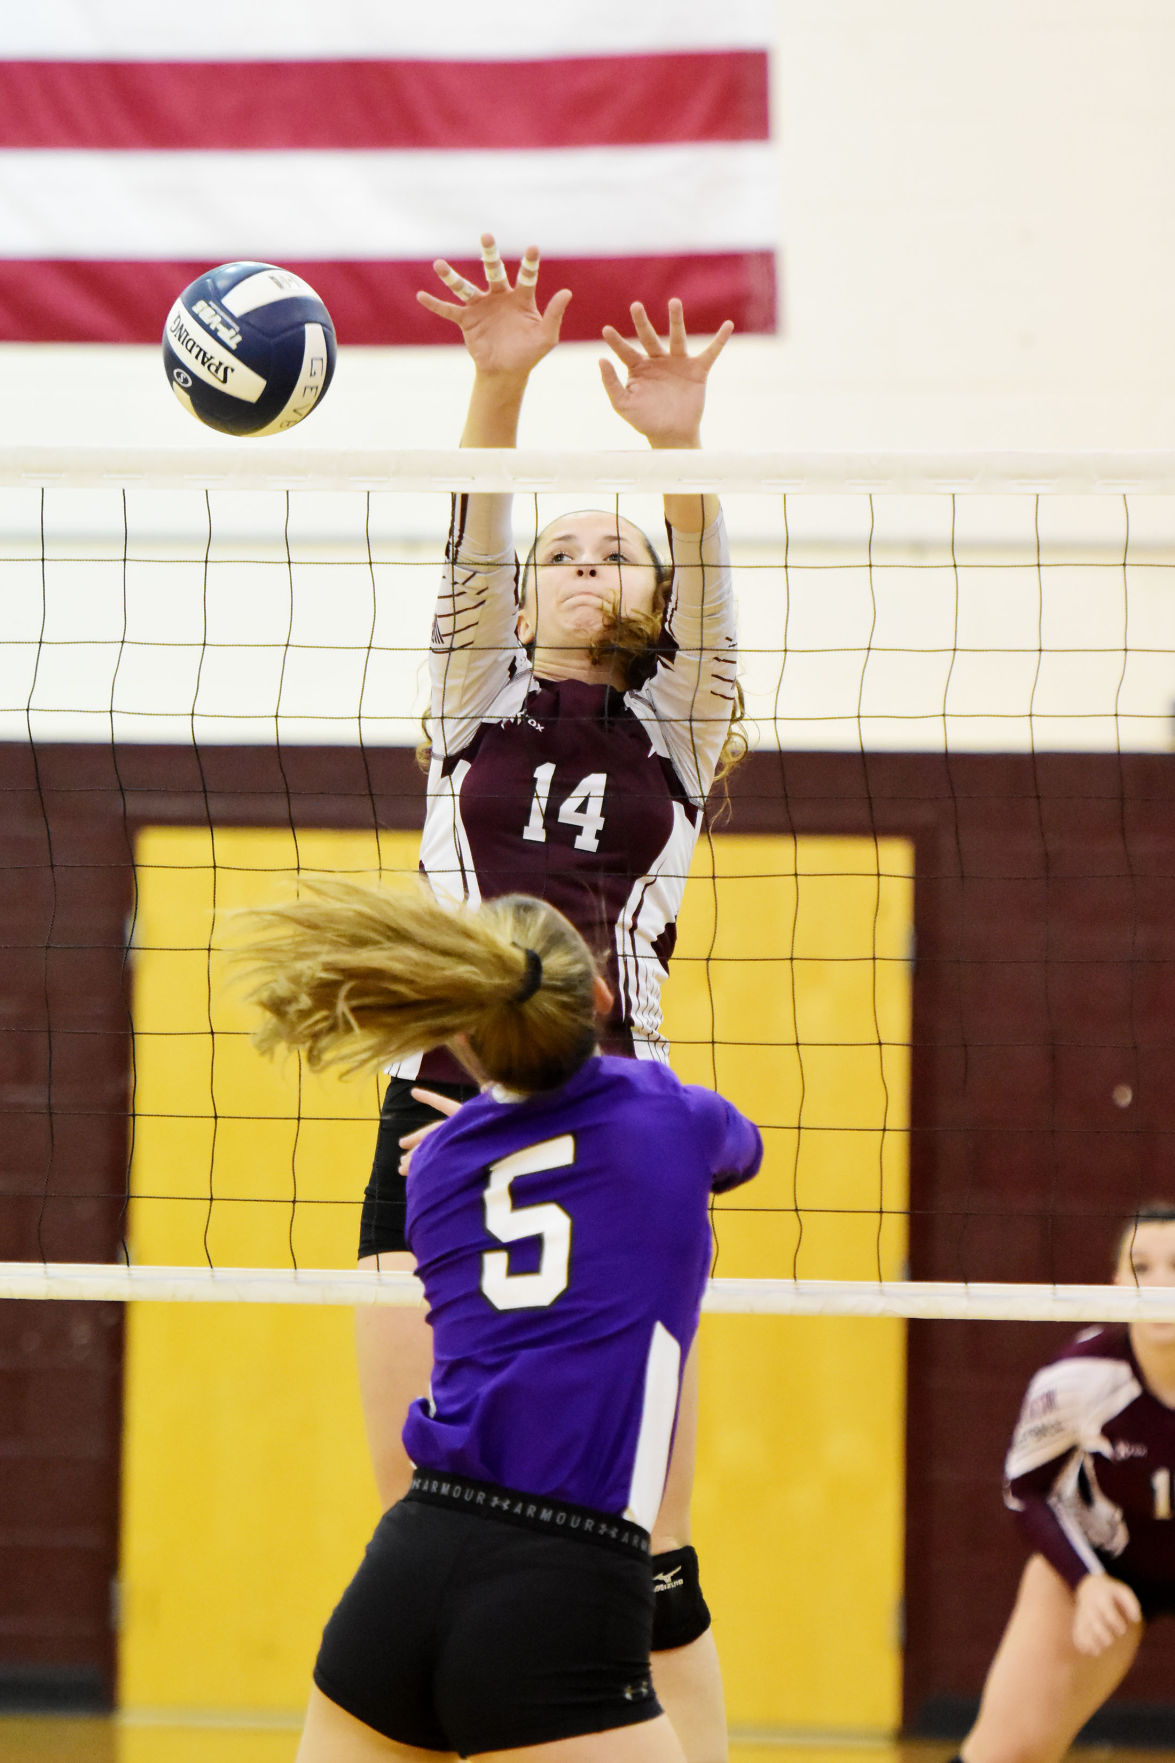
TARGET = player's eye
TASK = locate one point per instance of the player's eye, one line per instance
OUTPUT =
(559, 557)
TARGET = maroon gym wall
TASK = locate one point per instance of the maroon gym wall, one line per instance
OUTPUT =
(1045, 924)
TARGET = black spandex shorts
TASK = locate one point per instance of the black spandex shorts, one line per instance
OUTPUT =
(1156, 1596)
(381, 1226)
(1156, 1600)
(484, 1620)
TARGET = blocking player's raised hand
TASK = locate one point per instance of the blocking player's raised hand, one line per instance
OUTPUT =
(665, 392)
(503, 327)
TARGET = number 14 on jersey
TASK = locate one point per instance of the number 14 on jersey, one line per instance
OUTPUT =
(582, 808)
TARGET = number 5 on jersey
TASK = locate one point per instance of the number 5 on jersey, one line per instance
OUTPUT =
(513, 1224)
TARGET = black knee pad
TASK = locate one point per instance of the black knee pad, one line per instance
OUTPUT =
(679, 1609)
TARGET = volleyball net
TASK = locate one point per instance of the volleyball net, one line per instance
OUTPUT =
(926, 943)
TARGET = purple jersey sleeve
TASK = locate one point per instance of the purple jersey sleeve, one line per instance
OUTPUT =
(734, 1146)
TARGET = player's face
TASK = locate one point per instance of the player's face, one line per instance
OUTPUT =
(585, 566)
(1147, 1258)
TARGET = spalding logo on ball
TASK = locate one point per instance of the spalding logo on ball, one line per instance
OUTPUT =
(249, 348)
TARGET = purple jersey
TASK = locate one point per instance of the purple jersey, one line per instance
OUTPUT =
(1091, 1462)
(564, 1243)
(579, 794)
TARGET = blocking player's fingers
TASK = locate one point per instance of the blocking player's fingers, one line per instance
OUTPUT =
(678, 343)
(528, 269)
(491, 258)
(555, 308)
(709, 355)
(452, 278)
(627, 353)
(442, 308)
(613, 384)
(646, 330)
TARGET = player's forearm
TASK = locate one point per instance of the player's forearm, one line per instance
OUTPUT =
(473, 625)
(688, 513)
(694, 698)
(701, 616)
(495, 406)
(691, 514)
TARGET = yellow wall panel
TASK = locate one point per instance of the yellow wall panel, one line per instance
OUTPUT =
(247, 1495)
(799, 1500)
(246, 1491)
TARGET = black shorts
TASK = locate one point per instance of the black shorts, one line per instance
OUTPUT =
(381, 1226)
(480, 1620)
(1156, 1596)
(1156, 1600)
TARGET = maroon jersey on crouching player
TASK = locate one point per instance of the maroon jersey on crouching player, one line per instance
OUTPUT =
(1089, 1470)
(578, 793)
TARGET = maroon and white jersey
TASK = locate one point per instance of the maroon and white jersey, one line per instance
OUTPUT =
(1091, 1462)
(585, 796)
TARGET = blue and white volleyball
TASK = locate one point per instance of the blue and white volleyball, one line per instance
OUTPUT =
(249, 348)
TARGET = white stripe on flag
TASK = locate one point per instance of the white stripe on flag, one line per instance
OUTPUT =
(212, 207)
(289, 30)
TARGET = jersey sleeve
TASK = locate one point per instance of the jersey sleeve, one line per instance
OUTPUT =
(734, 1144)
(1061, 1418)
(1047, 1530)
(475, 656)
(692, 694)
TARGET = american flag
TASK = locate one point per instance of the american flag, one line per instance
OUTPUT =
(355, 140)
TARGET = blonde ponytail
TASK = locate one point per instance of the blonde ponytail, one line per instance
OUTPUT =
(360, 977)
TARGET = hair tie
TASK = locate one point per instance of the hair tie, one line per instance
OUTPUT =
(533, 978)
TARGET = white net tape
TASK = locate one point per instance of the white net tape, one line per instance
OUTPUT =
(751, 1297)
(278, 468)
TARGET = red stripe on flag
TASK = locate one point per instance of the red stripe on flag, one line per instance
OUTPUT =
(81, 301)
(206, 105)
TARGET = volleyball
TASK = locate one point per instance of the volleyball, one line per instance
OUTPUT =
(249, 348)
